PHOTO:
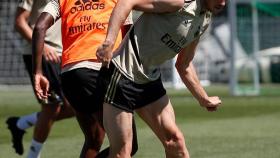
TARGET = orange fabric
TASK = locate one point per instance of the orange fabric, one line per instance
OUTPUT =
(84, 27)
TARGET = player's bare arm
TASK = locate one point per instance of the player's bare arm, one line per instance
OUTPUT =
(188, 75)
(124, 7)
(21, 24)
(157, 6)
(44, 22)
(121, 12)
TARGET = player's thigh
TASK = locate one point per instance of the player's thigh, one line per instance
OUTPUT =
(160, 116)
(79, 87)
(118, 124)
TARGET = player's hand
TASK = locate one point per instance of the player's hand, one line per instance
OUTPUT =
(104, 54)
(211, 103)
(50, 54)
(41, 86)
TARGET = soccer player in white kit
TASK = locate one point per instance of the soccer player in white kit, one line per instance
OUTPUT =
(132, 79)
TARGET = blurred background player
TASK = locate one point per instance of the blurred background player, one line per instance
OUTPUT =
(56, 106)
(84, 29)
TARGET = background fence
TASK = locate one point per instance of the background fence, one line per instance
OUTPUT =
(213, 54)
(12, 69)
(254, 26)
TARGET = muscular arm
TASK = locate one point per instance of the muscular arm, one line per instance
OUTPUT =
(21, 24)
(44, 22)
(41, 84)
(188, 75)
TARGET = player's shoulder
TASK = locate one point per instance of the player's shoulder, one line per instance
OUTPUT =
(53, 8)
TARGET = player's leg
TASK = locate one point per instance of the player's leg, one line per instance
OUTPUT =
(42, 129)
(48, 115)
(45, 121)
(66, 111)
(104, 153)
(160, 116)
(18, 125)
(26, 121)
(118, 126)
(93, 131)
(52, 72)
(79, 87)
(50, 109)
(121, 129)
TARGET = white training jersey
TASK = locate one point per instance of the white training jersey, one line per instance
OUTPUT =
(156, 38)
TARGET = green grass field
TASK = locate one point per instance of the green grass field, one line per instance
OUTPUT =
(244, 127)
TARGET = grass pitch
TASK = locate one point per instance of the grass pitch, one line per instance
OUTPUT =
(244, 127)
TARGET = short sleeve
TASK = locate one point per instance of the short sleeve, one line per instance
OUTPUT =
(53, 8)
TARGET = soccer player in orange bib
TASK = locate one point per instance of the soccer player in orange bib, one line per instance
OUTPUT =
(84, 25)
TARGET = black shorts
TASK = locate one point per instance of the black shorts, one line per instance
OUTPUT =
(51, 71)
(124, 93)
(79, 87)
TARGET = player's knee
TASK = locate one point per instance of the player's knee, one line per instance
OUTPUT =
(125, 150)
(94, 143)
(51, 110)
(178, 140)
(175, 145)
(95, 138)
(122, 147)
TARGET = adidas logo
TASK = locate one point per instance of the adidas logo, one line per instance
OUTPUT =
(79, 2)
(82, 5)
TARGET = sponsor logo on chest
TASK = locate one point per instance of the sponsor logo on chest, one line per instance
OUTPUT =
(83, 5)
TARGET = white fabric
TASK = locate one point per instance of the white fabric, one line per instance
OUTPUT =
(35, 149)
(83, 64)
(156, 38)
